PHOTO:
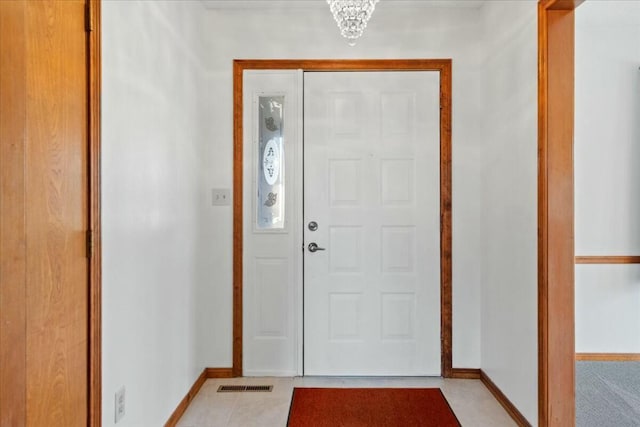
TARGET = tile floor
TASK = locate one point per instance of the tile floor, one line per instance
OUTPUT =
(472, 403)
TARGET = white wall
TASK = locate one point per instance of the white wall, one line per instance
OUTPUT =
(607, 174)
(393, 32)
(157, 237)
(167, 140)
(509, 202)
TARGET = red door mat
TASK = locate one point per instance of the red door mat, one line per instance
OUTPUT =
(370, 407)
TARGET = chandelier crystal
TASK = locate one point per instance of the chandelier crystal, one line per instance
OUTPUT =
(352, 16)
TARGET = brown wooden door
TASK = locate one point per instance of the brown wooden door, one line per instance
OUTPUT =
(43, 213)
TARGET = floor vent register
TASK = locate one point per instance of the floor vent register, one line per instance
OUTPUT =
(244, 388)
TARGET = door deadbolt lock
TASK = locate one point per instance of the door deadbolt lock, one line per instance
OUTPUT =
(313, 226)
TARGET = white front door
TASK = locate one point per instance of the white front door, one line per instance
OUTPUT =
(371, 184)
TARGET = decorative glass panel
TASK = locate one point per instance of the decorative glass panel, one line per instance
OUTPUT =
(270, 179)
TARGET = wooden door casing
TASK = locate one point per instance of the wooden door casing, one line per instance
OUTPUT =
(556, 317)
(444, 66)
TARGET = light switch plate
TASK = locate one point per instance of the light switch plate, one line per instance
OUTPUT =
(221, 197)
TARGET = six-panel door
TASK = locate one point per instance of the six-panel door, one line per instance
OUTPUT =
(372, 184)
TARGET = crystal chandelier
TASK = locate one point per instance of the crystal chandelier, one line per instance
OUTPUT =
(352, 16)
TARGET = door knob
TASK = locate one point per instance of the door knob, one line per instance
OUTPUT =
(313, 247)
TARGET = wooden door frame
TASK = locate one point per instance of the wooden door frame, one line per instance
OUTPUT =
(443, 66)
(94, 43)
(556, 317)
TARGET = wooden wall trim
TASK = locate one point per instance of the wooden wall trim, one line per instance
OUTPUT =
(219, 372)
(614, 259)
(184, 403)
(556, 332)
(193, 391)
(13, 135)
(444, 66)
(504, 401)
(465, 373)
(608, 357)
(95, 264)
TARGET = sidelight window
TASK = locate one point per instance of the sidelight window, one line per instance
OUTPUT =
(270, 167)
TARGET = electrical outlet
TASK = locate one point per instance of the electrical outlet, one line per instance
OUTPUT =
(220, 197)
(119, 404)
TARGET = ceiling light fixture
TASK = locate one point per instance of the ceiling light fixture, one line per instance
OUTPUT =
(352, 16)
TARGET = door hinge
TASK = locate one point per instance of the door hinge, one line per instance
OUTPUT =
(89, 243)
(88, 24)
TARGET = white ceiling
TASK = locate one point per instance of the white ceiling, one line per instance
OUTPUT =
(226, 4)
